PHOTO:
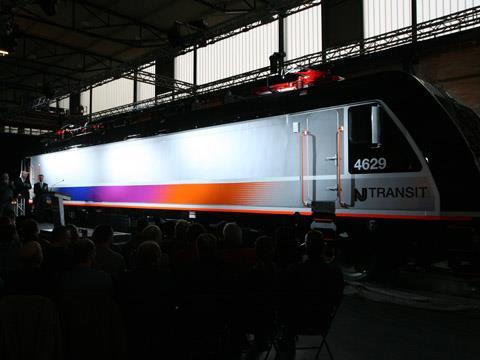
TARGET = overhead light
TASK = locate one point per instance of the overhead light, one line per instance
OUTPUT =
(4, 53)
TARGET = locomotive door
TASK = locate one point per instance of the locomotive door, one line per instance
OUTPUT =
(319, 144)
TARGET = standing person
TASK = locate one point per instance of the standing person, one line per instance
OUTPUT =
(40, 189)
(22, 189)
(6, 193)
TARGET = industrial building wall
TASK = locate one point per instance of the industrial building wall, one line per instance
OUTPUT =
(183, 67)
(115, 93)
(146, 91)
(238, 54)
(303, 33)
(432, 9)
(64, 103)
(381, 16)
(85, 101)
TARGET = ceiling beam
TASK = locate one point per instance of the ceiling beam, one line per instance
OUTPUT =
(70, 47)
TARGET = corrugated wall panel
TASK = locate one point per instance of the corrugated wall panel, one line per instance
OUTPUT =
(238, 54)
(146, 91)
(85, 101)
(381, 16)
(115, 93)
(303, 33)
(432, 9)
(64, 103)
(183, 67)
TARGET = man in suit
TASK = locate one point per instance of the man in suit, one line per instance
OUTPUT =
(22, 189)
(40, 189)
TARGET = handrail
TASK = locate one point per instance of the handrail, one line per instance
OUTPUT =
(339, 167)
(305, 133)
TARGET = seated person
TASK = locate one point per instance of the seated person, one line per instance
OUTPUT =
(57, 256)
(83, 277)
(29, 278)
(314, 286)
(106, 259)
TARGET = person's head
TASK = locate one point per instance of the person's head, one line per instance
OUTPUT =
(10, 214)
(194, 230)
(149, 254)
(40, 178)
(153, 233)
(83, 252)
(265, 249)
(206, 245)
(5, 178)
(31, 255)
(29, 230)
(102, 235)
(61, 236)
(314, 245)
(24, 175)
(181, 227)
(74, 233)
(232, 236)
(286, 250)
(142, 223)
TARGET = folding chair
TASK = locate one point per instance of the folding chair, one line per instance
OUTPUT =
(323, 332)
(310, 320)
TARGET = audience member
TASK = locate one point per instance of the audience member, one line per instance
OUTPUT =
(28, 230)
(146, 294)
(74, 232)
(9, 246)
(6, 193)
(153, 233)
(106, 259)
(313, 288)
(286, 248)
(238, 259)
(57, 253)
(9, 213)
(83, 277)
(29, 278)
(134, 242)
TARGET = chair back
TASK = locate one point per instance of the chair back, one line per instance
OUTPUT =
(29, 329)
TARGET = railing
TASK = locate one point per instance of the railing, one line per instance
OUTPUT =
(455, 22)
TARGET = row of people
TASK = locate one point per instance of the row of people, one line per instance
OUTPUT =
(191, 289)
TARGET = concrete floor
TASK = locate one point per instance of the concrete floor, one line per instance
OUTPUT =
(366, 330)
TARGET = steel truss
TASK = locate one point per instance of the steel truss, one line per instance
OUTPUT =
(455, 22)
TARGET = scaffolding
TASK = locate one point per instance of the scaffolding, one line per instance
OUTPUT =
(435, 28)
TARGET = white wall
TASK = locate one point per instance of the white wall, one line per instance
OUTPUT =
(381, 16)
(146, 91)
(238, 54)
(64, 103)
(431, 9)
(303, 33)
(115, 93)
(85, 101)
(183, 67)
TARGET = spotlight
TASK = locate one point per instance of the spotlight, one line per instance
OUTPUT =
(4, 52)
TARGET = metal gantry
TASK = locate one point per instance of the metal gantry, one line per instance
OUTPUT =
(430, 29)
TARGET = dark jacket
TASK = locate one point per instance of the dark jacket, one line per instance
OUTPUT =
(40, 190)
(22, 188)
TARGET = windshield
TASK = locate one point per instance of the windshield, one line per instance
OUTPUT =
(465, 118)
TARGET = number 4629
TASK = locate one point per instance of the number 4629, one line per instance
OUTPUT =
(370, 164)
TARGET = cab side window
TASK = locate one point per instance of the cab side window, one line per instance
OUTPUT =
(376, 144)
